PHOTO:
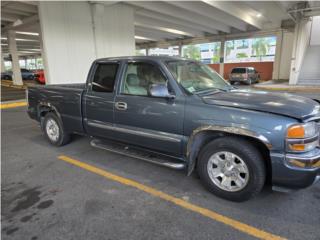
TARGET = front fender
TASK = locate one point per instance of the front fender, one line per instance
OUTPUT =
(202, 134)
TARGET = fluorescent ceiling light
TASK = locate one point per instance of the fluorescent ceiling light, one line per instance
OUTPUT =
(4, 44)
(26, 40)
(29, 33)
(22, 39)
(175, 31)
(258, 15)
(141, 38)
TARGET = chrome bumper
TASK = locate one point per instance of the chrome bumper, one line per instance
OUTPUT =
(309, 160)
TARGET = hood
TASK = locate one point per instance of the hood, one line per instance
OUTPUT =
(278, 103)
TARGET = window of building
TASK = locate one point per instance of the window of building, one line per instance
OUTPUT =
(207, 53)
(250, 50)
(104, 77)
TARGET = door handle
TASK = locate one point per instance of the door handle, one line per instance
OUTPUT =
(121, 106)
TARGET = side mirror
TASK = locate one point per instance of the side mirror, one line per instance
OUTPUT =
(160, 90)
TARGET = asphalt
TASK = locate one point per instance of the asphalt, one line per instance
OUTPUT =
(46, 198)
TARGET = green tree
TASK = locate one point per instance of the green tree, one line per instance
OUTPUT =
(260, 47)
(192, 51)
(216, 53)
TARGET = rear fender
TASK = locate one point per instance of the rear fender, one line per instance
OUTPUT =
(43, 109)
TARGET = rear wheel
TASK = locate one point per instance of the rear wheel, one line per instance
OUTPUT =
(232, 168)
(53, 130)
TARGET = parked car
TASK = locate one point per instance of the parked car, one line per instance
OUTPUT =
(25, 74)
(181, 114)
(246, 75)
(39, 76)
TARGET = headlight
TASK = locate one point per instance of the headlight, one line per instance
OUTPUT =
(303, 137)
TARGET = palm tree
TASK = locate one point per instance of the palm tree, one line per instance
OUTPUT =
(192, 51)
(260, 47)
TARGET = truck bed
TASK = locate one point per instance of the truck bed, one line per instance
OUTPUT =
(64, 98)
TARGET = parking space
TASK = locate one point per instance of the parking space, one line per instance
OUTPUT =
(44, 197)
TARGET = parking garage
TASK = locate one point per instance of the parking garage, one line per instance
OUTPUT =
(77, 191)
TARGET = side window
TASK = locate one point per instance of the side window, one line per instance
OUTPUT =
(139, 77)
(104, 77)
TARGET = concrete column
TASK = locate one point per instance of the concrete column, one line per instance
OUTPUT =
(277, 58)
(76, 33)
(113, 30)
(2, 63)
(17, 79)
(180, 49)
(300, 44)
(221, 65)
(147, 51)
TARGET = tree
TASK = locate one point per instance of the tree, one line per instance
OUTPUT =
(260, 47)
(192, 51)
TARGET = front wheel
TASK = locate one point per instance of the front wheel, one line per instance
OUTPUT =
(232, 168)
(53, 130)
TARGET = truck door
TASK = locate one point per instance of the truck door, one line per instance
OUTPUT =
(98, 102)
(140, 119)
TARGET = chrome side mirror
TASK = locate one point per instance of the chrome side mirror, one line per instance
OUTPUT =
(160, 90)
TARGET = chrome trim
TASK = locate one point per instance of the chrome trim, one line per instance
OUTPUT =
(233, 130)
(97, 144)
(302, 140)
(163, 136)
(311, 160)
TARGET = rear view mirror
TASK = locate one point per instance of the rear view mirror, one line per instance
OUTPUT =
(160, 90)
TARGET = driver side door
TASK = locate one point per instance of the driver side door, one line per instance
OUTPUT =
(140, 119)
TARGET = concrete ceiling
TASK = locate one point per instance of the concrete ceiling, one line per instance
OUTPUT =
(160, 20)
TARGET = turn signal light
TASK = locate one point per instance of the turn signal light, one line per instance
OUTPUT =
(296, 131)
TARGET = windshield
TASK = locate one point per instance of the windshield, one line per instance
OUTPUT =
(196, 77)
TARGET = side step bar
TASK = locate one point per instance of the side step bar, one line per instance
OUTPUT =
(135, 153)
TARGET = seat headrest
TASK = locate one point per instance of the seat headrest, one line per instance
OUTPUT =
(132, 79)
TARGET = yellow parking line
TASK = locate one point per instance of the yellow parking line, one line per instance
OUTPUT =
(177, 201)
(12, 105)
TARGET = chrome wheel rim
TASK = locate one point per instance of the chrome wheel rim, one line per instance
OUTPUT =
(52, 129)
(228, 171)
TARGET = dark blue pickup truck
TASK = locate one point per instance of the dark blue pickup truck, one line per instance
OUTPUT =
(181, 114)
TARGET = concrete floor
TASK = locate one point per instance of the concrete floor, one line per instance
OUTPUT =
(46, 198)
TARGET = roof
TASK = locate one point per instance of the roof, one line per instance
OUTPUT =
(155, 58)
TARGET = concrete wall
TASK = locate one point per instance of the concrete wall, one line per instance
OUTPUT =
(76, 33)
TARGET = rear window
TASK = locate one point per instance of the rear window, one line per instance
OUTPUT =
(238, 70)
(104, 77)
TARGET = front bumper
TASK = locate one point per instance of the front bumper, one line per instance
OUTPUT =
(295, 170)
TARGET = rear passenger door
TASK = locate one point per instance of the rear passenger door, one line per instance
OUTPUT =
(140, 119)
(98, 102)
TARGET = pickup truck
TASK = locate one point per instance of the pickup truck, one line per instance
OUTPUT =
(181, 114)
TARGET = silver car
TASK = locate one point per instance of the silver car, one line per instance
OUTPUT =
(246, 75)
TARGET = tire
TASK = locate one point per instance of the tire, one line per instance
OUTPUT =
(247, 158)
(53, 130)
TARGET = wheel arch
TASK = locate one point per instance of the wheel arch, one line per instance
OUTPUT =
(203, 135)
(45, 108)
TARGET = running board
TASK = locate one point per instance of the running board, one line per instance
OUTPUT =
(135, 153)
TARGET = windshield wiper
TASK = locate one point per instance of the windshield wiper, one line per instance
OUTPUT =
(210, 90)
